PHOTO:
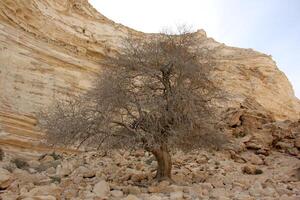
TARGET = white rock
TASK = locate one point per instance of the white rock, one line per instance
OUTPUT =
(176, 195)
(101, 189)
(155, 197)
(217, 193)
(48, 197)
(116, 193)
(131, 197)
(243, 196)
(33, 164)
(256, 189)
(47, 190)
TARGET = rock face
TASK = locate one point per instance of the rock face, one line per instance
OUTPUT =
(51, 49)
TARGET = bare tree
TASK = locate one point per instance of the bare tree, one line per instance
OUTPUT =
(154, 95)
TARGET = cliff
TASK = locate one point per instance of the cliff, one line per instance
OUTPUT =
(50, 49)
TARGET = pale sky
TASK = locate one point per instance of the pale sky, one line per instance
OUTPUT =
(269, 26)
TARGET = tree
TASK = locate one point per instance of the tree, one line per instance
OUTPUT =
(154, 95)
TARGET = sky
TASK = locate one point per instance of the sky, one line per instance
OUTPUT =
(268, 26)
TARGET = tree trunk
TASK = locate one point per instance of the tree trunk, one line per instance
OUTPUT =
(164, 163)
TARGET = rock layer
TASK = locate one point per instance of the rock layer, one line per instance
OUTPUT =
(51, 49)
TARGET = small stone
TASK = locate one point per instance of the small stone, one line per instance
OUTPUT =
(47, 190)
(89, 174)
(283, 145)
(252, 158)
(250, 169)
(34, 164)
(51, 170)
(243, 196)
(47, 158)
(48, 197)
(101, 189)
(155, 197)
(133, 190)
(178, 195)
(218, 192)
(131, 197)
(116, 193)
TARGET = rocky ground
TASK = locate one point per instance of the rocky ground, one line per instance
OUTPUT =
(129, 176)
(261, 161)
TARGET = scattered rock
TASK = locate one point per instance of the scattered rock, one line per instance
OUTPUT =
(131, 197)
(47, 191)
(101, 189)
(178, 195)
(116, 193)
(252, 158)
(250, 169)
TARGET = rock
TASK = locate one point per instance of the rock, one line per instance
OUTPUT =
(256, 190)
(160, 189)
(101, 189)
(297, 142)
(252, 158)
(51, 170)
(47, 158)
(243, 196)
(178, 195)
(139, 153)
(252, 145)
(284, 145)
(1, 154)
(64, 169)
(132, 190)
(85, 172)
(250, 169)
(34, 164)
(116, 193)
(286, 197)
(89, 174)
(9, 196)
(48, 197)
(138, 177)
(46, 191)
(206, 186)
(155, 198)
(218, 193)
(88, 195)
(131, 197)
(264, 152)
(5, 179)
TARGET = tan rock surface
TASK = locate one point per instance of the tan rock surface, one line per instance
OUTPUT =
(51, 49)
(225, 179)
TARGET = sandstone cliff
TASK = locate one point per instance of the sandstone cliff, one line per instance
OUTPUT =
(53, 48)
